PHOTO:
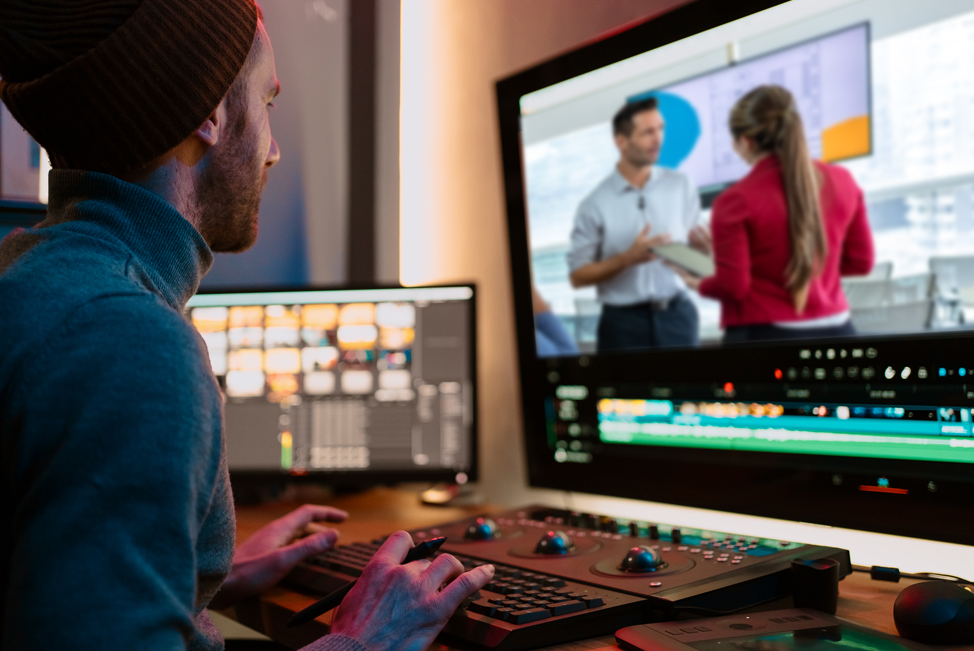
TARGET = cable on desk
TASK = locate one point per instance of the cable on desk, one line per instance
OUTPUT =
(893, 574)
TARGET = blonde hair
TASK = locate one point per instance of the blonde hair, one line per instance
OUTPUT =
(767, 115)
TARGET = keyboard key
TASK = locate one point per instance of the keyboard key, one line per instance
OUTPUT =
(528, 616)
(593, 602)
(566, 607)
(689, 630)
(702, 629)
(554, 583)
(483, 607)
(503, 613)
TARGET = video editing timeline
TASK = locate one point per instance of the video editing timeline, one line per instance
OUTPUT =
(925, 433)
(836, 401)
(562, 576)
(343, 380)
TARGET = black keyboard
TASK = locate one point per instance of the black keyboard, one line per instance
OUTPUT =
(507, 612)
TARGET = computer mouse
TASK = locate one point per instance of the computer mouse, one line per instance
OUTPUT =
(935, 612)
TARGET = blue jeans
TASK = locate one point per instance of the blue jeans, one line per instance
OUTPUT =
(641, 326)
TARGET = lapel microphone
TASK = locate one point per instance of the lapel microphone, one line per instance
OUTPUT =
(642, 202)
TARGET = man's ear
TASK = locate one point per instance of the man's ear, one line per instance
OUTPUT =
(209, 132)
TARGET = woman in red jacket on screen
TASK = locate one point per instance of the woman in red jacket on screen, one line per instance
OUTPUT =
(785, 234)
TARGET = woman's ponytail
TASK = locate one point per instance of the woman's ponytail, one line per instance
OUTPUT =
(767, 115)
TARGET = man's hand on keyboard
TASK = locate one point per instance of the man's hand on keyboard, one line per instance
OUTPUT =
(396, 607)
(269, 554)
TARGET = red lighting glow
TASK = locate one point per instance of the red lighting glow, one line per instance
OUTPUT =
(729, 387)
(778, 374)
(884, 489)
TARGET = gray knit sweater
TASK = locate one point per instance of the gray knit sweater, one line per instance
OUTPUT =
(115, 504)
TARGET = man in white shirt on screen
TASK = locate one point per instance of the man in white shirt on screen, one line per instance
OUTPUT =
(637, 207)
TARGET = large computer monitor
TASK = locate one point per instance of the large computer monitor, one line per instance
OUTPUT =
(870, 431)
(347, 386)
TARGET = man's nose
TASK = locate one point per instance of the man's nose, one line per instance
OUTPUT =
(273, 155)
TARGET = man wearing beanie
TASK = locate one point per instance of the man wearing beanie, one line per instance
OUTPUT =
(115, 504)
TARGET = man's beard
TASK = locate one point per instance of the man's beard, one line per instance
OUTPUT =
(642, 158)
(228, 194)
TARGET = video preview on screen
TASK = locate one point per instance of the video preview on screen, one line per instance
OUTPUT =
(668, 204)
(350, 379)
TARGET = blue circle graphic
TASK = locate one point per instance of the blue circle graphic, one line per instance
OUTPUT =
(682, 128)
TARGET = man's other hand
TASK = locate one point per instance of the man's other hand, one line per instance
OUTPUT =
(641, 249)
(396, 607)
(267, 556)
(701, 239)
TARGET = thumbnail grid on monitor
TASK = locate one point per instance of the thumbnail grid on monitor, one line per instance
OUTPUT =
(343, 380)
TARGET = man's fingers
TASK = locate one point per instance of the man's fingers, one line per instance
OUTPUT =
(394, 550)
(421, 564)
(302, 516)
(443, 568)
(319, 513)
(465, 585)
(296, 552)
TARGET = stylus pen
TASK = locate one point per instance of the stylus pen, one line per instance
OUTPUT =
(423, 550)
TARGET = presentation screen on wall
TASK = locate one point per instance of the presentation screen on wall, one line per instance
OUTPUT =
(882, 93)
(828, 77)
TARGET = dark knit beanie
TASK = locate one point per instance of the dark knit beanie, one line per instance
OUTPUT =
(109, 85)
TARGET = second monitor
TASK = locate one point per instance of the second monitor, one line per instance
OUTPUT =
(365, 384)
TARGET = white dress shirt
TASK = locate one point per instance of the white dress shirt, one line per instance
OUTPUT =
(610, 218)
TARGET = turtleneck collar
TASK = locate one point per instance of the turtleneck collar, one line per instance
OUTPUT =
(170, 252)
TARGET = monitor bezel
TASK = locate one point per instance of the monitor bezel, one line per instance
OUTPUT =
(364, 478)
(793, 482)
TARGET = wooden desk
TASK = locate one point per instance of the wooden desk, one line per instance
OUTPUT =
(383, 510)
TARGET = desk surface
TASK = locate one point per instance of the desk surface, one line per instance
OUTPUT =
(380, 511)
